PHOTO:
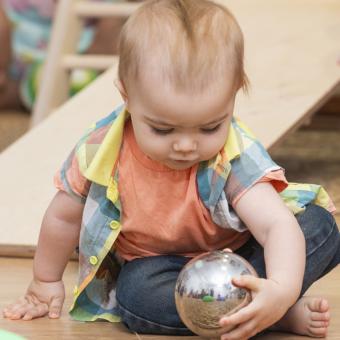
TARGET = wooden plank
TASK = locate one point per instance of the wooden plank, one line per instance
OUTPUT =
(28, 166)
(55, 78)
(96, 62)
(292, 74)
(102, 10)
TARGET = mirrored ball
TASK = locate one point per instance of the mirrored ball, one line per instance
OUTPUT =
(204, 291)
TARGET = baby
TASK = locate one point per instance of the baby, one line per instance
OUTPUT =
(172, 174)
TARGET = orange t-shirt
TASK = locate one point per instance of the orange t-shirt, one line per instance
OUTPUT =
(161, 209)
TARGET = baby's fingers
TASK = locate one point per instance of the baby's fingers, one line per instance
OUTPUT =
(55, 307)
(25, 311)
(243, 331)
(17, 312)
(243, 315)
(12, 310)
(35, 311)
(249, 282)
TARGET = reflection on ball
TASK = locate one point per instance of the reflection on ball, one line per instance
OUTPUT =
(204, 291)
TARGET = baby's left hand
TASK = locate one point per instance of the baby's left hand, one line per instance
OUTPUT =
(269, 305)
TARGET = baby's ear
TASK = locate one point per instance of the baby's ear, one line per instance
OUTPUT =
(121, 88)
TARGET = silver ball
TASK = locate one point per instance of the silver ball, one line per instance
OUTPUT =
(204, 291)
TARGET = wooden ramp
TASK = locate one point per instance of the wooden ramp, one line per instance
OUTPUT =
(292, 49)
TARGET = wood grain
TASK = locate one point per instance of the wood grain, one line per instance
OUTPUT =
(18, 275)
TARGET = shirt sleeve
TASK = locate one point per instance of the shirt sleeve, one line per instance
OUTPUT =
(276, 178)
(254, 165)
(70, 179)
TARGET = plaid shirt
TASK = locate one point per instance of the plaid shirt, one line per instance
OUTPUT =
(90, 174)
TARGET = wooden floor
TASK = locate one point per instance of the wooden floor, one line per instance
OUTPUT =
(16, 273)
(309, 155)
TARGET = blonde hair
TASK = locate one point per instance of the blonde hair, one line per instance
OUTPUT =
(190, 43)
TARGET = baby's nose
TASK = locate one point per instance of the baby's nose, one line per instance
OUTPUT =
(185, 145)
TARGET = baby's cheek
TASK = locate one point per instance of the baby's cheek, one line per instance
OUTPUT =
(156, 148)
(162, 149)
(212, 146)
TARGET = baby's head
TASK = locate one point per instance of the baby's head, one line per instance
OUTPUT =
(181, 65)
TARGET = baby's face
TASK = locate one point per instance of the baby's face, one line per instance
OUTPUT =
(180, 129)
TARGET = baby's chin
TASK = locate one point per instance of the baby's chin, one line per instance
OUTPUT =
(180, 165)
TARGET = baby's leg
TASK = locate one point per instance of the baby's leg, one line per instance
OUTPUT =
(310, 315)
(145, 295)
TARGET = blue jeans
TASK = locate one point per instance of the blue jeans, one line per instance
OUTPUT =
(145, 287)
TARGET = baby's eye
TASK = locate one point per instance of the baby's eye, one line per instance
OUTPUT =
(211, 130)
(161, 131)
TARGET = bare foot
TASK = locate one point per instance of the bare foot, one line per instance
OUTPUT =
(309, 316)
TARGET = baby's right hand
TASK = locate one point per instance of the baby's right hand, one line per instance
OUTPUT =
(41, 298)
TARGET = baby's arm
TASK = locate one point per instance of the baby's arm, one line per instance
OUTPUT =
(5, 43)
(277, 230)
(59, 236)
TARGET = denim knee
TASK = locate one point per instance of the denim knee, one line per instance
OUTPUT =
(145, 296)
(319, 227)
(322, 243)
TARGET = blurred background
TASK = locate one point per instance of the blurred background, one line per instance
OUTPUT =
(310, 154)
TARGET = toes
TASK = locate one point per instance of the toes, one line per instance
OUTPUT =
(319, 324)
(323, 306)
(319, 332)
(318, 305)
(315, 316)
